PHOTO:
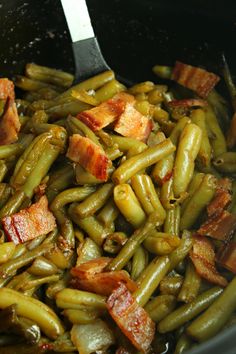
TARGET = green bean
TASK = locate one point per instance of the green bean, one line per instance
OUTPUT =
(161, 243)
(114, 242)
(150, 279)
(128, 204)
(160, 307)
(13, 204)
(38, 117)
(27, 84)
(90, 225)
(182, 251)
(139, 262)
(10, 268)
(191, 284)
(52, 76)
(142, 160)
(204, 155)
(193, 186)
(29, 159)
(226, 162)
(134, 242)
(188, 148)
(3, 170)
(60, 180)
(171, 285)
(44, 163)
(16, 149)
(183, 344)
(142, 87)
(58, 208)
(42, 267)
(78, 299)
(167, 195)
(163, 169)
(218, 142)
(6, 251)
(93, 83)
(94, 201)
(162, 71)
(146, 193)
(34, 283)
(62, 110)
(108, 213)
(113, 152)
(172, 221)
(125, 144)
(5, 193)
(214, 318)
(81, 316)
(108, 90)
(198, 201)
(187, 312)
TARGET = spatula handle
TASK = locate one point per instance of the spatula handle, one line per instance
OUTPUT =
(78, 20)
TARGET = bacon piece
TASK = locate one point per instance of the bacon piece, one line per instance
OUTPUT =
(203, 257)
(196, 79)
(132, 319)
(222, 197)
(6, 89)
(9, 124)
(107, 112)
(133, 124)
(187, 103)
(89, 276)
(89, 155)
(226, 256)
(220, 226)
(29, 223)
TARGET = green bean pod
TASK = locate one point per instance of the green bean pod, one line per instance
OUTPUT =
(226, 162)
(214, 318)
(160, 307)
(191, 284)
(139, 262)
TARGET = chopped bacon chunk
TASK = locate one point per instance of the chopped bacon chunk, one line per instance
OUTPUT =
(220, 226)
(196, 79)
(89, 155)
(9, 124)
(226, 256)
(222, 197)
(132, 319)
(203, 257)
(187, 103)
(133, 124)
(29, 223)
(6, 89)
(89, 276)
(107, 112)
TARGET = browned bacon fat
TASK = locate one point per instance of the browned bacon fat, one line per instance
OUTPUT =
(29, 223)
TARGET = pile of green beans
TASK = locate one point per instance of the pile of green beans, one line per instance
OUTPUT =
(143, 217)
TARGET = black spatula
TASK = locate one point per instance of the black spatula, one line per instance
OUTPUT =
(88, 58)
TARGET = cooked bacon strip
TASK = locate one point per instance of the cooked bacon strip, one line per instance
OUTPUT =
(196, 79)
(132, 319)
(187, 103)
(107, 112)
(203, 257)
(29, 223)
(89, 155)
(133, 124)
(6, 89)
(226, 256)
(9, 124)
(89, 276)
(220, 226)
(222, 197)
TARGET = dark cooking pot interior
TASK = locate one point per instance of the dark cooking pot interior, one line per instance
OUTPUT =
(134, 35)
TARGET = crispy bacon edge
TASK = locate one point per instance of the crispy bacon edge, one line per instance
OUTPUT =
(222, 197)
(6, 89)
(107, 112)
(29, 223)
(203, 258)
(90, 156)
(194, 78)
(9, 123)
(90, 276)
(132, 319)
